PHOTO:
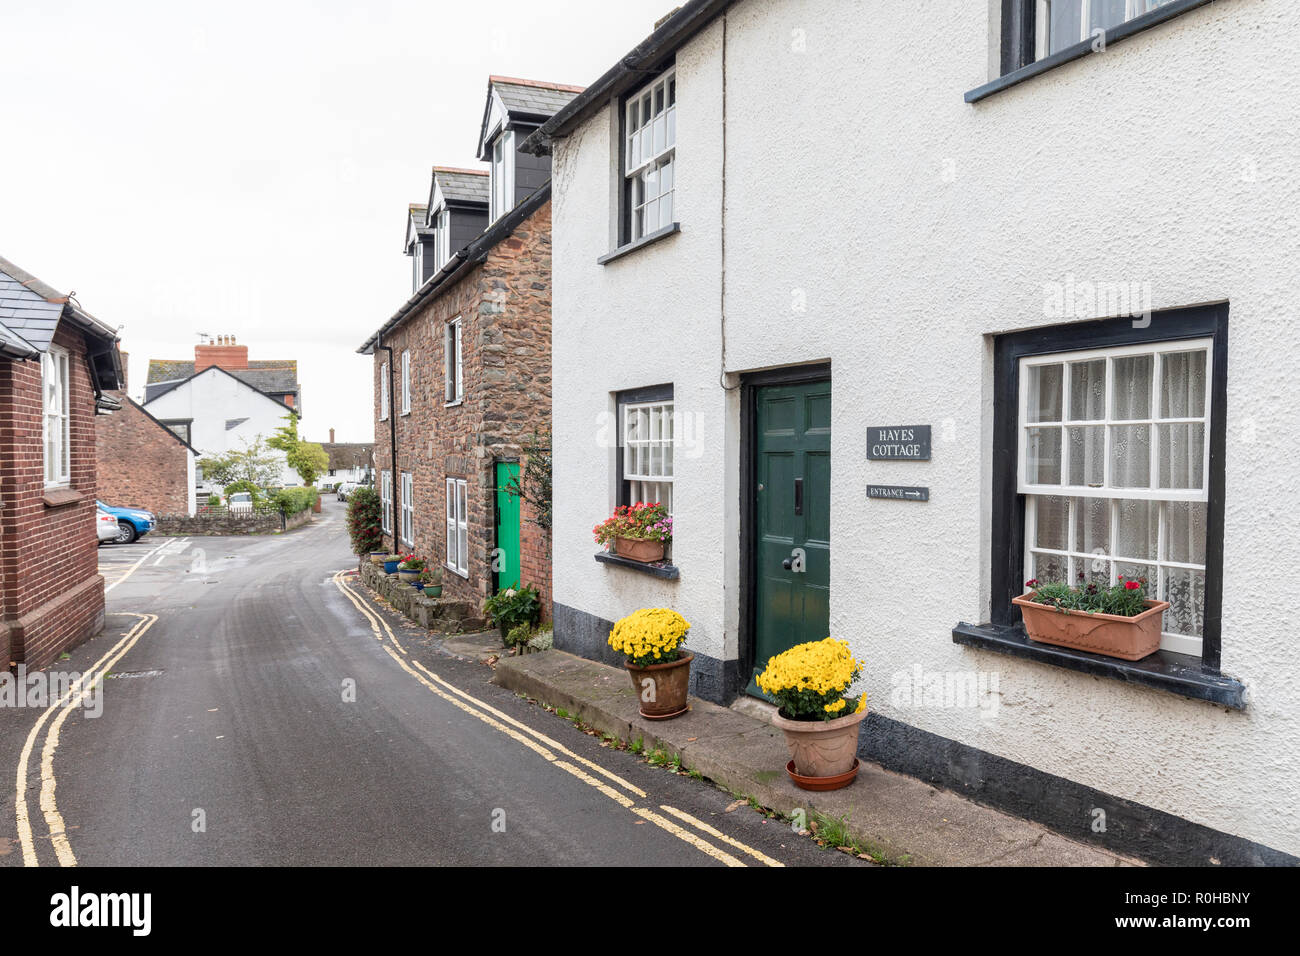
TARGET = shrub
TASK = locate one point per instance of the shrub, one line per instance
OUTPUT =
(364, 512)
(511, 607)
(235, 487)
(519, 634)
(810, 681)
(214, 501)
(290, 501)
(651, 635)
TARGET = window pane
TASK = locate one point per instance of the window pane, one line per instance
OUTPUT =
(1182, 385)
(1132, 386)
(1053, 517)
(1064, 19)
(1043, 456)
(666, 177)
(1130, 456)
(661, 134)
(1088, 456)
(1106, 13)
(1045, 393)
(1138, 530)
(1136, 572)
(1088, 391)
(1049, 567)
(666, 210)
(1185, 592)
(1182, 456)
(672, 126)
(1185, 531)
(1092, 525)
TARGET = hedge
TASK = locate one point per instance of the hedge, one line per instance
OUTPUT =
(290, 501)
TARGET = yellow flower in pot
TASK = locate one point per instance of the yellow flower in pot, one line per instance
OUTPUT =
(651, 640)
(819, 717)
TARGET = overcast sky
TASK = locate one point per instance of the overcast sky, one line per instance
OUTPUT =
(244, 168)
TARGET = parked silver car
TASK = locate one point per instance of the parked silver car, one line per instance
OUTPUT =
(106, 526)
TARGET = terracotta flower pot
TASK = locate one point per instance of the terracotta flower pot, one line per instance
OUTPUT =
(661, 688)
(635, 549)
(1128, 638)
(822, 748)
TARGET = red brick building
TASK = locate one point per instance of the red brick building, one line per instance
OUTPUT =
(57, 364)
(462, 372)
(142, 463)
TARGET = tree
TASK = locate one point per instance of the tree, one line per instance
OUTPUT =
(251, 465)
(534, 485)
(307, 458)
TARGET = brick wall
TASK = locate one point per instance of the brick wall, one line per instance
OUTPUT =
(505, 309)
(53, 596)
(140, 464)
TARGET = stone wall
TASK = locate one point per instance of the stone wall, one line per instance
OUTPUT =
(504, 306)
(225, 523)
(141, 464)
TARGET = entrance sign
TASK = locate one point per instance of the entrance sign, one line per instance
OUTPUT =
(898, 493)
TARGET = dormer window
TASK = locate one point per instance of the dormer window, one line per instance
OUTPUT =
(503, 174)
(650, 150)
(441, 238)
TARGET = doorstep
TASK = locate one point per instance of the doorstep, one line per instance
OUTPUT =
(902, 817)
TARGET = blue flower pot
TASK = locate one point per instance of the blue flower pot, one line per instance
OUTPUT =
(390, 567)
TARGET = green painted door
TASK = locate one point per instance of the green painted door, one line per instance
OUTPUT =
(792, 485)
(506, 560)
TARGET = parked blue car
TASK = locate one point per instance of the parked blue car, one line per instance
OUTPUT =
(131, 522)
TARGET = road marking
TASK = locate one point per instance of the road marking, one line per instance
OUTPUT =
(719, 835)
(481, 710)
(70, 698)
(131, 570)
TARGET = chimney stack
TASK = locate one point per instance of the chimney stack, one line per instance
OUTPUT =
(331, 436)
(221, 352)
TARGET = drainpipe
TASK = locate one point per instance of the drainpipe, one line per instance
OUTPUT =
(392, 433)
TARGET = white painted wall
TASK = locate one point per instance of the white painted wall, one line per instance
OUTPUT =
(211, 399)
(1124, 165)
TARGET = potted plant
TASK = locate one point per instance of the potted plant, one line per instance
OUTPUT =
(390, 563)
(377, 557)
(638, 532)
(1115, 621)
(408, 572)
(810, 683)
(519, 636)
(651, 640)
(510, 607)
(431, 581)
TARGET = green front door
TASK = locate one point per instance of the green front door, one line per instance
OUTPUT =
(506, 559)
(792, 552)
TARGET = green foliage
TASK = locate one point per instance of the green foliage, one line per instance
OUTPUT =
(251, 465)
(1125, 599)
(364, 527)
(290, 501)
(308, 459)
(534, 484)
(519, 634)
(214, 501)
(235, 487)
(513, 606)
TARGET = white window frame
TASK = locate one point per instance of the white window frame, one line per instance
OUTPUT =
(645, 165)
(56, 423)
(453, 360)
(1073, 557)
(457, 505)
(647, 428)
(406, 382)
(386, 501)
(502, 179)
(383, 392)
(1043, 21)
(442, 239)
(417, 279)
(408, 508)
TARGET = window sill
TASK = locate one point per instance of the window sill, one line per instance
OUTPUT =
(1164, 670)
(1114, 35)
(659, 569)
(59, 497)
(457, 572)
(456, 404)
(646, 240)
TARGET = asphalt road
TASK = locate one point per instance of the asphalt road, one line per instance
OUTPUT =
(253, 714)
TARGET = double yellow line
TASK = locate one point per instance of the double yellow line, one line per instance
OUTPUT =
(72, 698)
(589, 772)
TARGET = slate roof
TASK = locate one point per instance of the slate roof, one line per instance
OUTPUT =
(418, 216)
(533, 96)
(31, 309)
(11, 343)
(463, 185)
(269, 376)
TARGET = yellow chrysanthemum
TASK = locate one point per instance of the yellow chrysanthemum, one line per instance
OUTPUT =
(649, 634)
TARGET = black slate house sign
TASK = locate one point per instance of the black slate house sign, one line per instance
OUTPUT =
(898, 493)
(898, 443)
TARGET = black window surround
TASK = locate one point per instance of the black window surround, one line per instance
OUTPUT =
(1004, 633)
(1019, 36)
